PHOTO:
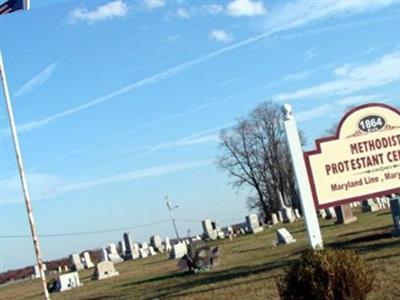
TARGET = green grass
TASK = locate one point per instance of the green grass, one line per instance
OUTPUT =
(249, 267)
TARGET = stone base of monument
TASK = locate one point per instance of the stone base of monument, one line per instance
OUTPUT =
(64, 282)
(105, 269)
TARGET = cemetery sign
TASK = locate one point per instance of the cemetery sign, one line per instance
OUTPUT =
(361, 161)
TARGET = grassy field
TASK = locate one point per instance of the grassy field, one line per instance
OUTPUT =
(249, 267)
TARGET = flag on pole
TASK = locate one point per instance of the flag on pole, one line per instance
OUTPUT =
(11, 6)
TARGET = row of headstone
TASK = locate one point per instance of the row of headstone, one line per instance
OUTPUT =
(68, 281)
(79, 263)
(285, 215)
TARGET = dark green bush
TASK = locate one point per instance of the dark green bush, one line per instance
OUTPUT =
(327, 275)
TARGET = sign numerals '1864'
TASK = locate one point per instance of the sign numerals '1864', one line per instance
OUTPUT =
(361, 161)
(371, 123)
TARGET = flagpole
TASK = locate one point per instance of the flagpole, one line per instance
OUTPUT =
(22, 176)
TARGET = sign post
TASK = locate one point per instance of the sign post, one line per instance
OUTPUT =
(296, 151)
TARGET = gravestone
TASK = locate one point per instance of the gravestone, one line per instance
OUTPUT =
(209, 229)
(152, 252)
(128, 246)
(369, 206)
(297, 213)
(280, 216)
(344, 214)
(121, 249)
(104, 255)
(288, 216)
(156, 243)
(253, 224)
(113, 254)
(67, 281)
(274, 219)
(76, 262)
(395, 208)
(59, 270)
(66, 268)
(284, 237)
(178, 250)
(228, 231)
(322, 213)
(87, 262)
(135, 251)
(36, 271)
(330, 213)
(105, 269)
(143, 253)
(167, 244)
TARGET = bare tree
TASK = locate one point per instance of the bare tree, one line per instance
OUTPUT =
(255, 153)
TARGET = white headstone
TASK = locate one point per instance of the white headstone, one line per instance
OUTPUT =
(178, 250)
(280, 216)
(135, 251)
(76, 262)
(167, 244)
(143, 252)
(253, 223)
(274, 219)
(297, 213)
(104, 255)
(209, 229)
(113, 254)
(284, 237)
(288, 215)
(105, 269)
(156, 243)
(87, 262)
(152, 252)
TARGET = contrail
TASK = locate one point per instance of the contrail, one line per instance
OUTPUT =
(173, 71)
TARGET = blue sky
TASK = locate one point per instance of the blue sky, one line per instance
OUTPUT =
(120, 102)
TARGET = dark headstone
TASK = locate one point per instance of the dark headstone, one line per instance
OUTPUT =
(344, 214)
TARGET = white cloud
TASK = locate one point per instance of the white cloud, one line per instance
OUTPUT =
(352, 100)
(178, 69)
(212, 9)
(182, 13)
(297, 76)
(221, 36)
(111, 10)
(152, 4)
(381, 72)
(41, 186)
(201, 10)
(36, 81)
(138, 174)
(245, 8)
(301, 12)
(203, 137)
(45, 186)
(313, 113)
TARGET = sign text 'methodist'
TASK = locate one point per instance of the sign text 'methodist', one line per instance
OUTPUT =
(390, 155)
